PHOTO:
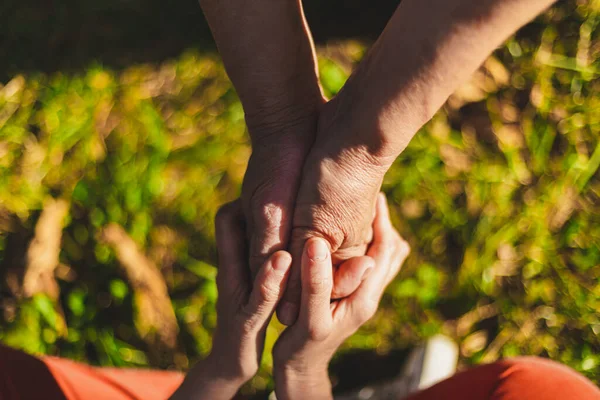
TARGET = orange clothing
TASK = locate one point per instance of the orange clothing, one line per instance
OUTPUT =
(24, 377)
(523, 378)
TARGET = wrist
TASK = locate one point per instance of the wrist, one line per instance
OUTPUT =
(299, 383)
(385, 114)
(207, 380)
(355, 135)
(284, 119)
(222, 365)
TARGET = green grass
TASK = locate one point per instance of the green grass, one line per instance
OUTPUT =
(499, 197)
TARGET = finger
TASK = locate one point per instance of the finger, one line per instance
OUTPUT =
(289, 307)
(400, 255)
(232, 276)
(349, 275)
(269, 192)
(317, 281)
(363, 303)
(270, 233)
(268, 288)
(382, 224)
(382, 250)
(387, 244)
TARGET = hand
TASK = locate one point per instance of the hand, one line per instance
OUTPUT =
(336, 201)
(303, 351)
(270, 190)
(244, 310)
(279, 149)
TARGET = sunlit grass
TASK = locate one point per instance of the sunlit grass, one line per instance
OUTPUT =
(499, 197)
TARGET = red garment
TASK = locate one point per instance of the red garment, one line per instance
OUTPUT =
(24, 377)
(523, 378)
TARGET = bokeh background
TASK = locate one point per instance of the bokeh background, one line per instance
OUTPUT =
(120, 136)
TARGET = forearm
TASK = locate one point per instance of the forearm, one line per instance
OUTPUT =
(269, 55)
(427, 50)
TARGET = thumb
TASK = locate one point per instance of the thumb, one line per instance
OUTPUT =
(289, 307)
(350, 274)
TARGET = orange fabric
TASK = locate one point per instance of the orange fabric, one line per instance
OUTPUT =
(24, 377)
(79, 381)
(523, 378)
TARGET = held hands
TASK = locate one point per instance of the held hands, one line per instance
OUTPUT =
(303, 351)
(315, 179)
(245, 307)
(336, 202)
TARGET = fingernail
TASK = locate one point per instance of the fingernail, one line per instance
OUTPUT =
(317, 250)
(282, 261)
(367, 273)
(288, 313)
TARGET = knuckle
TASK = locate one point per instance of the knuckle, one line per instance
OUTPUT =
(318, 332)
(272, 217)
(246, 368)
(366, 311)
(247, 327)
(268, 292)
(404, 247)
(315, 226)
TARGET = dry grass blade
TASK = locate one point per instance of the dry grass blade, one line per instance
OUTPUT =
(43, 251)
(155, 318)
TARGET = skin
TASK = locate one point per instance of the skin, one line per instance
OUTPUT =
(245, 307)
(273, 68)
(268, 52)
(304, 350)
(317, 166)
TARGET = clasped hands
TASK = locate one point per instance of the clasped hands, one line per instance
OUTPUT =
(245, 306)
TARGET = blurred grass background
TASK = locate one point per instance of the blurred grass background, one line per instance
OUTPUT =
(119, 139)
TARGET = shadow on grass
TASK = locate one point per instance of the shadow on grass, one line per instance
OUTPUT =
(70, 35)
(356, 369)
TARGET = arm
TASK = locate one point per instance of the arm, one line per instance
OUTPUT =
(303, 351)
(269, 55)
(427, 50)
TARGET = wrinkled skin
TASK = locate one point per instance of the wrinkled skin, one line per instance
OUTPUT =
(299, 186)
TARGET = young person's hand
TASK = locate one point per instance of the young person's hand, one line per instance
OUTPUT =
(244, 309)
(302, 353)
